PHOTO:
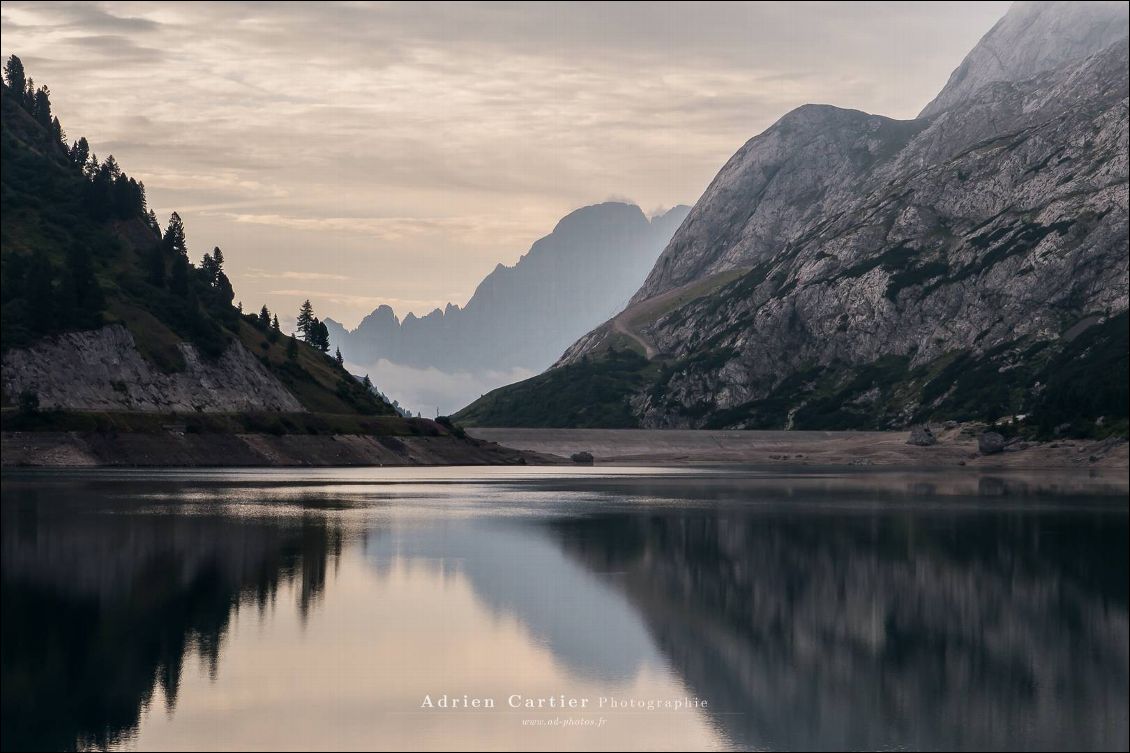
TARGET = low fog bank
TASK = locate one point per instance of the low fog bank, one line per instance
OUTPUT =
(427, 390)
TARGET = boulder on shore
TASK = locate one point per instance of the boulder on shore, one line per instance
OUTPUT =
(990, 443)
(922, 436)
(583, 457)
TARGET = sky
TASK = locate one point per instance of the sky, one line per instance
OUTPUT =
(367, 153)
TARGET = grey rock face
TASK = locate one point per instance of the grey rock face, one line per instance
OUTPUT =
(776, 186)
(809, 166)
(921, 436)
(524, 316)
(1002, 219)
(102, 370)
(990, 443)
(1032, 38)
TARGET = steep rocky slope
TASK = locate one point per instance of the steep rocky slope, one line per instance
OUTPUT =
(103, 370)
(847, 270)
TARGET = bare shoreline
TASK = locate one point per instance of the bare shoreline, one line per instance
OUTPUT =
(955, 448)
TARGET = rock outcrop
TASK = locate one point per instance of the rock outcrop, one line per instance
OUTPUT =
(922, 436)
(102, 370)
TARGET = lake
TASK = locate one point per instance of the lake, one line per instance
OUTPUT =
(564, 608)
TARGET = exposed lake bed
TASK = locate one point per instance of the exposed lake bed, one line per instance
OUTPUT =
(956, 446)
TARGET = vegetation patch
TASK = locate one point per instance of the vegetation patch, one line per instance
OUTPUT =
(592, 393)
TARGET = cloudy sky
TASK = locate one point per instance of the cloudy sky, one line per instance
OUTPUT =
(366, 153)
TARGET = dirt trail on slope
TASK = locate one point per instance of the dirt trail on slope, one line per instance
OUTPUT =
(629, 321)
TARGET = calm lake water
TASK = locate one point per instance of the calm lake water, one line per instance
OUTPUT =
(327, 609)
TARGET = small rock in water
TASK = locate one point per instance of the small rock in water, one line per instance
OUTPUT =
(583, 457)
(990, 443)
(922, 436)
(950, 425)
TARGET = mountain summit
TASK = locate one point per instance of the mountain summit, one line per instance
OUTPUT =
(846, 270)
(520, 317)
(1033, 37)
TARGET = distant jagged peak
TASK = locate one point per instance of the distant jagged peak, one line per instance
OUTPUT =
(1031, 38)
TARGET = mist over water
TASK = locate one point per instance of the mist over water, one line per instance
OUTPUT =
(316, 609)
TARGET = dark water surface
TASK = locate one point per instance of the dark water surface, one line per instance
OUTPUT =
(320, 609)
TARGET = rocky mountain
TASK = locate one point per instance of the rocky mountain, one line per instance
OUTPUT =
(850, 270)
(522, 317)
(1032, 38)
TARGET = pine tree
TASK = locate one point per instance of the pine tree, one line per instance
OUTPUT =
(80, 152)
(338, 358)
(111, 169)
(153, 223)
(218, 256)
(305, 319)
(174, 239)
(264, 317)
(208, 267)
(275, 322)
(14, 72)
(41, 106)
(292, 348)
(318, 335)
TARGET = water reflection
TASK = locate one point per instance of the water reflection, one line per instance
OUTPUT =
(101, 610)
(819, 611)
(983, 631)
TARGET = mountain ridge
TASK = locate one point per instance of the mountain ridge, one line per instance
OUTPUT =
(520, 317)
(948, 267)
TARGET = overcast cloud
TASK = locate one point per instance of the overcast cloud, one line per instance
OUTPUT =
(368, 152)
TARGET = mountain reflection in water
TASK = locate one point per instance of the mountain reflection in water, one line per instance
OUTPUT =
(816, 611)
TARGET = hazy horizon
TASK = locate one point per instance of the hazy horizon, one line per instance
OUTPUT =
(360, 154)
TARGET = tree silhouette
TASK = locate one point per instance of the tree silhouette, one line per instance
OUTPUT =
(174, 240)
(17, 79)
(41, 106)
(208, 267)
(80, 152)
(338, 358)
(264, 317)
(305, 319)
(318, 335)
